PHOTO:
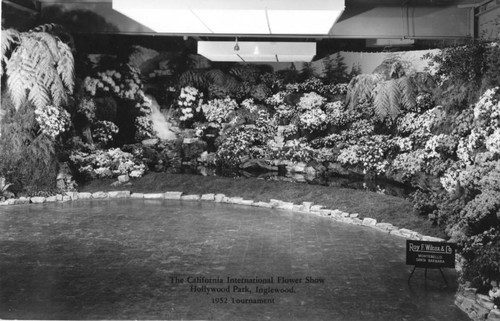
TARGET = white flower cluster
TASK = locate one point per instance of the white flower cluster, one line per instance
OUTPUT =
(186, 101)
(143, 127)
(369, 154)
(409, 163)
(493, 142)
(108, 163)
(441, 144)
(104, 131)
(450, 181)
(487, 109)
(313, 119)
(405, 144)
(114, 82)
(276, 99)
(52, 120)
(218, 110)
(336, 113)
(249, 105)
(87, 108)
(464, 153)
(311, 101)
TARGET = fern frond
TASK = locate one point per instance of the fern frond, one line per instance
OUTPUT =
(9, 37)
(395, 98)
(387, 99)
(424, 82)
(361, 87)
(408, 92)
(16, 79)
(50, 42)
(65, 66)
(39, 96)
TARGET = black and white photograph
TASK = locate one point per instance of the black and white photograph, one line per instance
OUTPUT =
(241, 160)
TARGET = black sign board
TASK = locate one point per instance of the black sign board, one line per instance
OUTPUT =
(432, 255)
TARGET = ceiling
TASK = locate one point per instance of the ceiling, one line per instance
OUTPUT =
(426, 22)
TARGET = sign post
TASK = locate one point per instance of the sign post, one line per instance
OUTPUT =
(430, 255)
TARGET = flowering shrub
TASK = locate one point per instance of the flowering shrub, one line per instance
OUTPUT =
(276, 99)
(189, 102)
(332, 140)
(52, 120)
(87, 108)
(369, 154)
(404, 144)
(311, 101)
(423, 102)
(104, 131)
(234, 147)
(410, 163)
(311, 84)
(126, 84)
(482, 258)
(336, 113)
(107, 163)
(218, 111)
(143, 128)
(313, 119)
(440, 145)
(487, 109)
(492, 142)
(297, 150)
(462, 123)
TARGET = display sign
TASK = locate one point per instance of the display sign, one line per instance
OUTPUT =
(425, 254)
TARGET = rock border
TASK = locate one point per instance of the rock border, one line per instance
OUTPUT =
(476, 306)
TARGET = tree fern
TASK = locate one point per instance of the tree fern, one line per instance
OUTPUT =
(39, 68)
(361, 87)
(9, 37)
(390, 96)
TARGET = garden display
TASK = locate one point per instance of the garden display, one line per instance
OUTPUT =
(437, 132)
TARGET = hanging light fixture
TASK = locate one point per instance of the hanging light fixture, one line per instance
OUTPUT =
(271, 17)
(257, 51)
(236, 47)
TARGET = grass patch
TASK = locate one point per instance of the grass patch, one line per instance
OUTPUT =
(383, 208)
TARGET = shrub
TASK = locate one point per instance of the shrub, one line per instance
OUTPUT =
(482, 257)
(106, 163)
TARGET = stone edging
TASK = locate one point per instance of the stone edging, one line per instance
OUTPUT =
(477, 306)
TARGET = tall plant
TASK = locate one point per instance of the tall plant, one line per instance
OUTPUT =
(38, 67)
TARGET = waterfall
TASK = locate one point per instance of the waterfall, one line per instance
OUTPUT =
(160, 124)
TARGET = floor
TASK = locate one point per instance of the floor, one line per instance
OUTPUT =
(171, 260)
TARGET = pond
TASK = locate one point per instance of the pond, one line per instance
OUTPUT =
(158, 259)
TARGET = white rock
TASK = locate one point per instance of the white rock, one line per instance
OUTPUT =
(219, 198)
(316, 208)
(285, 205)
(137, 195)
(123, 178)
(208, 197)
(173, 195)
(154, 195)
(84, 195)
(51, 199)
(194, 197)
(307, 206)
(37, 200)
(369, 221)
(100, 194)
(119, 194)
